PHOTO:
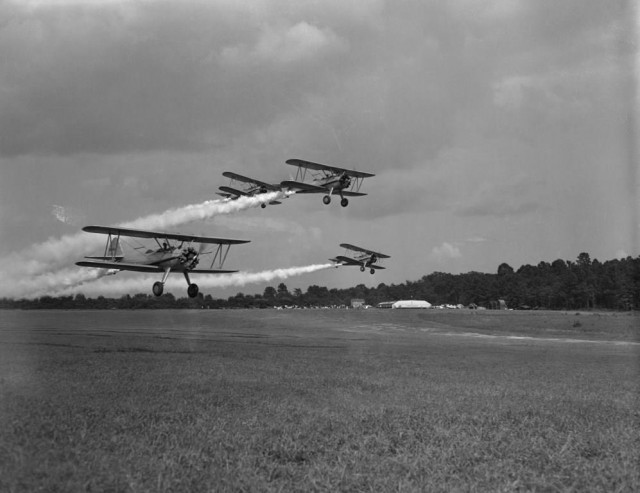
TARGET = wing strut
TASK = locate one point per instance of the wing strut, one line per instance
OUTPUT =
(111, 247)
(220, 255)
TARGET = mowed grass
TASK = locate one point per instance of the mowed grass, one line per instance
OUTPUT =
(316, 401)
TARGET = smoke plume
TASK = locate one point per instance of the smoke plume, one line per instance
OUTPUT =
(44, 267)
(177, 284)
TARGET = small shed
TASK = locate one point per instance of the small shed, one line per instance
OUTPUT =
(357, 303)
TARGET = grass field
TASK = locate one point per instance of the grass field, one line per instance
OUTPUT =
(319, 400)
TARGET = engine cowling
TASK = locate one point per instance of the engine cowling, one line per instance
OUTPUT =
(189, 257)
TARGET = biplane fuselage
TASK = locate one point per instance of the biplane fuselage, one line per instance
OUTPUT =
(334, 183)
(171, 256)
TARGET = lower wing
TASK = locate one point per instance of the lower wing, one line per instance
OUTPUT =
(147, 268)
(233, 191)
(349, 261)
(121, 266)
(301, 187)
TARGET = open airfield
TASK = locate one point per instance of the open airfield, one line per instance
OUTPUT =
(319, 400)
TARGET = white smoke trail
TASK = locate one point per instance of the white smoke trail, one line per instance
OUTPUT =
(39, 266)
(205, 210)
(176, 282)
(57, 282)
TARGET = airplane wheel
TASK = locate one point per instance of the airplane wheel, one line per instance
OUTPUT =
(344, 202)
(192, 290)
(362, 268)
(326, 200)
(373, 271)
(263, 205)
(158, 288)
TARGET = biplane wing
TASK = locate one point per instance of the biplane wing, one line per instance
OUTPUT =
(128, 266)
(300, 163)
(363, 250)
(302, 188)
(252, 181)
(232, 192)
(139, 233)
(350, 261)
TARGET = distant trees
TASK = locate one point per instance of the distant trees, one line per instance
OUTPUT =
(559, 285)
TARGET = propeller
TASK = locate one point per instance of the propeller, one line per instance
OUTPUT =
(189, 256)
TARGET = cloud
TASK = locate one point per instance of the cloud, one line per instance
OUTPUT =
(446, 251)
(68, 215)
(285, 45)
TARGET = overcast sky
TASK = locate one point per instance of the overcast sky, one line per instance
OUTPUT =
(499, 131)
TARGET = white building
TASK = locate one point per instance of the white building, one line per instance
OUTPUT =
(411, 304)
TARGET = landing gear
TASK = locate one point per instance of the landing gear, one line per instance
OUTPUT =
(362, 268)
(158, 287)
(344, 202)
(192, 290)
(263, 205)
(373, 271)
(326, 200)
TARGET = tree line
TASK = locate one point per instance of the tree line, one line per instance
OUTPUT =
(559, 285)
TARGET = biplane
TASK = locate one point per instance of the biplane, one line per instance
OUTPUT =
(250, 188)
(364, 258)
(328, 180)
(172, 252)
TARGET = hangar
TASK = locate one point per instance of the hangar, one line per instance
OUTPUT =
(411, 304)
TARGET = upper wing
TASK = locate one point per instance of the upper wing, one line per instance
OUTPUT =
(138, 233)
(363, 250)
(323, 167)
(245, 179)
